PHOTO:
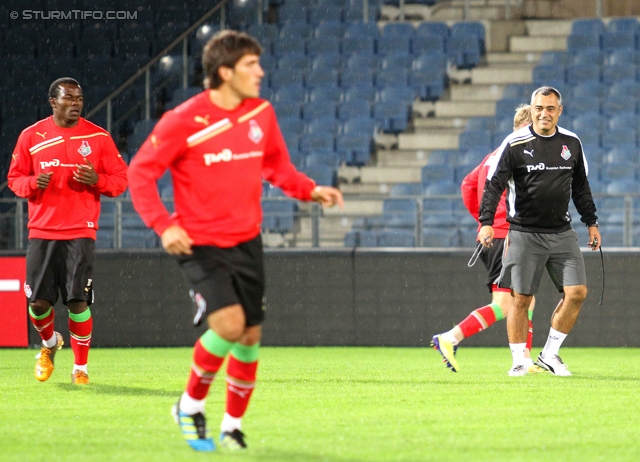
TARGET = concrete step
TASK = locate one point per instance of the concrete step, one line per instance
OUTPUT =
(434, 141)
(502, 74)
(542, 28)
(390, 175)
(462, 109)
(359, 207)
(538, 43)
(475, 13)
(513, 57)
(440, 122)
(402, 158)
(476, 92)
(370, 190)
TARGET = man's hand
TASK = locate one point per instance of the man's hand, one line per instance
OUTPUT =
(86, 174)
(327, 196)
(43, 180)
(176, 241)
(595, 240)
(485, 236)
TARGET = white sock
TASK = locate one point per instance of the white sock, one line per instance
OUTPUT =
(190, 405)
(554, 341)
(82, 368)
(230, 424)
(517, 352)
(449, 337)
(50, 343)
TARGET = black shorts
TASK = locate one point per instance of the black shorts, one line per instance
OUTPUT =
(60, 266)
(220, 277)
(492, 259)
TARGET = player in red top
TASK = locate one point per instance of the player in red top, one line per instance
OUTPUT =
(218, 146)
(472, 188)
(62, 164)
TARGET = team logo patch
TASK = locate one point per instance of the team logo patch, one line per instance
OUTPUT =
(565, 152)
(255, 132)
(84, 149)
(27, 290)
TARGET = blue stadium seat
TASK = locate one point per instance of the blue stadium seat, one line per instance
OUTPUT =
(294, 61)
(362, 29)
(330, 29)
(555, 58)
(473, 157)
(580, 73)
(293, 92)
(324, 13)
(623, 185)
(443, 157)
(433, 28)
(590, 90)
(398, 29)
(464, 50)
(406, 189)
(393, 44)
(359, 126)
(268, 62)
(291, 125)
(479, 139)
(354, 148)
(321, 174)
(397, 60)
(282, 46)
(619, 171)
(620, 137)
(624, 120)
(470, 28)
(310, 142)
(397, 93)
(433, 205)
(354, 11)
(392, 116)
(590, 121)
(351, 109)
(322, 77)
(427, 43)
(292, 140)
(389, 77)
(357, 93)
(396, 238)
(359, 77)
(612, 41)
(279, 216)
(613, 105)
(312, 110)
(328, 158)
(625, 88)
(589, 57)
(284, 77)
(399, 213)
(360, 61)
(428, 84)
(268, 31)
(613, 73)
(287, 108)
(583, 42)
(436, 173)
(546, 73)
(323, 126)
(621, 154)
(327, 61)
(439, 237)
(587, 27)
(316, 46)
(358, 44)
(326, 93)
(629, 25)
(292, 13)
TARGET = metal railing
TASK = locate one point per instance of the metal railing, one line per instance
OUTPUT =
(309, 225)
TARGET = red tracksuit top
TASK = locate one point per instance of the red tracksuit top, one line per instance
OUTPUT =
(472, 188)
(217, 159)
(66, 209)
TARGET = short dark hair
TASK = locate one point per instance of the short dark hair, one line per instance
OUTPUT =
(54, 90)
(225, 49)
(546, 91)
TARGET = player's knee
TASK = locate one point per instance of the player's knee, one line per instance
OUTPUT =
(576, 293)
(39, 307)
(251, 336)
(77, 307)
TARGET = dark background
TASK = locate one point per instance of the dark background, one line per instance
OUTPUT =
(374, 297)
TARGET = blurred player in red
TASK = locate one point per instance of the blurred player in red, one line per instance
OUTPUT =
(501, 300)
(62, 164)
(219, 146)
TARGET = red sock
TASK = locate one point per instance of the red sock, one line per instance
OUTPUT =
(45, 325)
(241, 380)
(477, 321)
(530, 335)
(203, 371)
(80, 328)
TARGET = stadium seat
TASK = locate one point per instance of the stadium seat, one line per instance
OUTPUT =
(322, 77)
(623, 185)
(359, 93)
(397, 93)
(554, 58)
(359, 126)
(323, 126)
(430, 60)
(354, 148)
(399, 213)
(316, 46)
(279, 216)
(621, 154)
(291, 125)
(479, 139)
(294, 61)
(441, 188)
(546, 73)
(613, 105)
(390, 77)
(328, 61)
(433, 28)
(292, 141)
(268, 31)
(328, 158)
(590, 90)
(625, 88)
(362, 29)
(293, 92)
(325, 93)
(470, 28)
(312, 110)
(587, 27)
(619, 171)
(627, 25)
(330, 29)
(428, 84)
(613, 73)
(324, 13)
(310, 142)
(464, 50)
(360, 61)
(396, 238)
(397, 60)
(285, 45)
(321, 174)
(353, 45)
(292, 13)
(576, 43)
(436, 173)
(393, 44)
(352, 109)
(406, 189)
(392, 116)
(612, 41)
(359, 77)
(443, 157)
(284, 77)
(439, 237)
(619, 137)
(580, 73)
(589, 57)
(624, 121)
(427, 43)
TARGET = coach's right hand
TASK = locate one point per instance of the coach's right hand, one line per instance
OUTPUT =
(43, 180)
(485, 236)
(176, 241)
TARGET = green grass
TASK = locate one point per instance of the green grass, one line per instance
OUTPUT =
(330, 404)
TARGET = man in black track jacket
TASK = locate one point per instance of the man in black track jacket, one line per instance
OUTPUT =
(543, 166)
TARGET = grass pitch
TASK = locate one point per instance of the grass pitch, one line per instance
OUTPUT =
(330, 404)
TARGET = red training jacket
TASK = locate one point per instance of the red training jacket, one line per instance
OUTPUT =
(66, 209)
(472, 188)
(217, 159)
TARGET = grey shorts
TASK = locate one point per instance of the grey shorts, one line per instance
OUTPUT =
(527, 254)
